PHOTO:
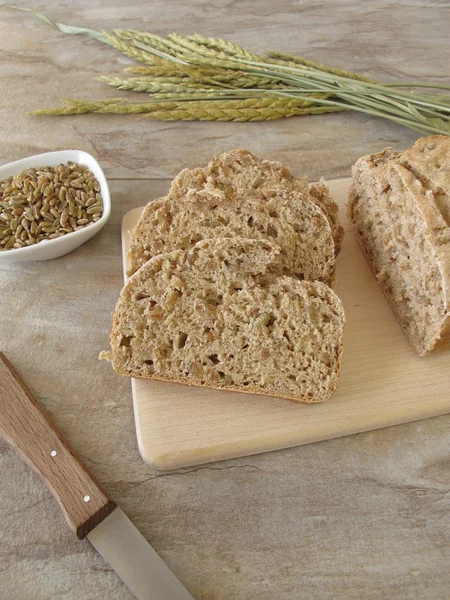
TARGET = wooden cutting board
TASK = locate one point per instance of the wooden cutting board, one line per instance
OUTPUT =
(382, 383)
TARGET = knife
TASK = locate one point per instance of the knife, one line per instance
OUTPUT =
(87, 508)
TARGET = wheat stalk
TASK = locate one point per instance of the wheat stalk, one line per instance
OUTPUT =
(251, 109)
(186, 74)
(130, 50)
(225, 85)
(297, 60)
(155, 86)
(207, 78)
(163, 70)
(223, 46)
(227, 114)
(238, 79)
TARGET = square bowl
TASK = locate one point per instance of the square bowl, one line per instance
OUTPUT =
(47, 249)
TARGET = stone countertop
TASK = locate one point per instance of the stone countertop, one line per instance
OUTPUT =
(362, 517)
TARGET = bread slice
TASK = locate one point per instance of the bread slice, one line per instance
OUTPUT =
(296, 225)
(212, 316)
(400, 208)
(240, 173)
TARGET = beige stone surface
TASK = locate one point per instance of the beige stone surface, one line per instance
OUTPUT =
(362, 517)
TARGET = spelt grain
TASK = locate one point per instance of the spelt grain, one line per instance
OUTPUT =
(47, 203)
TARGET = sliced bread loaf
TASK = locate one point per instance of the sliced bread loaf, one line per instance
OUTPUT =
(240, 173)
(400, 209)
(296, 225)
(212, 316)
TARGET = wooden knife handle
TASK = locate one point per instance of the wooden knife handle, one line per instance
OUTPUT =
(26, 426)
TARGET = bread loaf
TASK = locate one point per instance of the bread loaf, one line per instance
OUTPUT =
(213, 316)
(400, 209)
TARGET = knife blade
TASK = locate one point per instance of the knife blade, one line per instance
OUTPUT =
(134, 560)
(87, 508)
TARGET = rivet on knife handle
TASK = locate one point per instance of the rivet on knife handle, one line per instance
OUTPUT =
(24, 424)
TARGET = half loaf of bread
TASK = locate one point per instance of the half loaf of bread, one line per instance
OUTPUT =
(213, 316)
(400, 209)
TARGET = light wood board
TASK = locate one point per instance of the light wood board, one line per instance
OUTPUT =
(382, 383)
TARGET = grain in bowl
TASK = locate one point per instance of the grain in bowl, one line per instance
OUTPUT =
(45, 203)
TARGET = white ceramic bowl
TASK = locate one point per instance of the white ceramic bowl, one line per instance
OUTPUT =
(48, 249)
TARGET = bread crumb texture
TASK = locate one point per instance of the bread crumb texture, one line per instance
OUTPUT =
(240, 195)
(215, 315)
(241, 172)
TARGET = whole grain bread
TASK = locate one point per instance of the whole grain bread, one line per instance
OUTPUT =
(400, 209)
(239, 172)
(296, 225)
(214, 316)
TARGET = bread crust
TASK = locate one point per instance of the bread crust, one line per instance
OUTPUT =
(321, 196)
(253, 390)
